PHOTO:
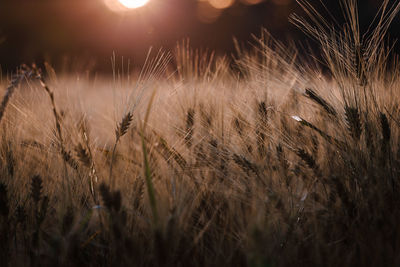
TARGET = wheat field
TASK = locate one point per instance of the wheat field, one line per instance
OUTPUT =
(271, 157)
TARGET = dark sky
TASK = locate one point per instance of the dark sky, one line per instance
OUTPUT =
(85, 30)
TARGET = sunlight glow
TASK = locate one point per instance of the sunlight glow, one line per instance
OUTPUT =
(221, 4)
(121, 6)
(133, 3)
(297, 118)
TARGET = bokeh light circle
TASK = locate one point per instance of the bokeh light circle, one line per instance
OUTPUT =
(221, 4)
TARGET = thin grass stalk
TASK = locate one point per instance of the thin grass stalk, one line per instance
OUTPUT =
(85, 157)
(93, 173)
(326, 136)
(110, 179)
(57, 117)
(385, 146)
(147, 169)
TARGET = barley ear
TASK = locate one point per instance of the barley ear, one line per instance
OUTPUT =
(121, 130)
(4, 203)
(319, 100)
(83, 155)
(123, 127)
(352, 117)
(36, 189)
(386, 133)
(189, 127)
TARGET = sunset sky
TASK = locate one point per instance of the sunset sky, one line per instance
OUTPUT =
(93, 29)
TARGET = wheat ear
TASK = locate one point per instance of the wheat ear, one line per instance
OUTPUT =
(122, 129)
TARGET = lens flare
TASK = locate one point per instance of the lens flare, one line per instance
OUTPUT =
(133, 3)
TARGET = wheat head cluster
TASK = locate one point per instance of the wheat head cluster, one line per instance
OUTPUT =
(275, 156)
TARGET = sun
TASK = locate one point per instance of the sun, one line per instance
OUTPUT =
(120, 6)
(133, 3)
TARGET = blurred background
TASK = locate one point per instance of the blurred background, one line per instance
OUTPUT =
(87, 32)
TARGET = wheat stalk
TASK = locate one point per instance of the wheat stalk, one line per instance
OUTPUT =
(84, 153)
(121, 130)
(64, 153)
(23, 72)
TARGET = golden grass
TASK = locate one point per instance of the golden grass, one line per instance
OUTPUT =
(267, 163)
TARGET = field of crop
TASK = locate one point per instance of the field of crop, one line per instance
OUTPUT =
(268, 158)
